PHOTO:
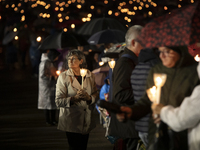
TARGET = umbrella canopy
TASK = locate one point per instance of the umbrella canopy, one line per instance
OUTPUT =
(107, 36)
(63, 40)
(99, 24)
(9, 37)
(181, 27)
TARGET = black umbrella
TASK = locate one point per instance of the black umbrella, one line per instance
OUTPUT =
(107, 36)
(63, 40)
(99, 24)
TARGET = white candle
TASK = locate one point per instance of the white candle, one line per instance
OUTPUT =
(83, 73)
(112, 64)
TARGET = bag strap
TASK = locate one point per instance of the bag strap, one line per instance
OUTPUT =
(134, 59)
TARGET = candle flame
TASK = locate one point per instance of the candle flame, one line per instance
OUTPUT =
(58, 72)
(83, 72)
(111, 64)
(197, 58)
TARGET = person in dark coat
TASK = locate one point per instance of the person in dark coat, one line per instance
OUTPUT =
(121, 88)
(182, 77)
(147, 59)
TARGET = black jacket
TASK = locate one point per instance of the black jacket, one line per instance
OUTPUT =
(122, 94)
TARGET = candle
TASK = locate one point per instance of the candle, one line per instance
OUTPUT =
(83, 73)
(159, 80)
(112, 64)
(151, 92)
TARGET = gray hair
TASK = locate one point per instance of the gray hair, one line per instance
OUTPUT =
(132, 33)
(80, 55)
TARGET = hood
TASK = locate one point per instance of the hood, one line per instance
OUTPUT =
(147, 55)
(44, 57)
(186, 59)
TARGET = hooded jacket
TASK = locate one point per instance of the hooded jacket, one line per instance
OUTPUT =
(186, 117)
(77, 118)
(180, 83)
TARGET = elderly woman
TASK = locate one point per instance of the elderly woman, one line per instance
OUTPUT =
(182, 77)
(76, 104)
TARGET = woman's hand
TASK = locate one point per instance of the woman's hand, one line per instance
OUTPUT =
(126, 114)
(84, 95)
(156, 108)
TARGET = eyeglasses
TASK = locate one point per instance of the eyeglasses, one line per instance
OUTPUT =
(166, 52)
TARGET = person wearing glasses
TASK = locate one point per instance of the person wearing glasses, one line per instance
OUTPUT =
(182, 77)
(76, 105)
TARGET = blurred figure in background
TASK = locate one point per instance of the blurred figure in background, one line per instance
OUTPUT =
(47, 85)
(34, 54)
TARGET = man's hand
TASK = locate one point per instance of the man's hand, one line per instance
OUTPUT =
(126, 114)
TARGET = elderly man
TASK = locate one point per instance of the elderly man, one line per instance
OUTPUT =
(182, 77)
(121, 87)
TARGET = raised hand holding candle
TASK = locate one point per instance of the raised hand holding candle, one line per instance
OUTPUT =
(83, 73)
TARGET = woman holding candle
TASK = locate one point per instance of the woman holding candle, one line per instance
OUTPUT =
(76, 104)
(182, 77)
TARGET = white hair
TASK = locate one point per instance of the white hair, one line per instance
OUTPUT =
(132, 34)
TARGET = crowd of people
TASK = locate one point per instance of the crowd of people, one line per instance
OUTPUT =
(75, 95)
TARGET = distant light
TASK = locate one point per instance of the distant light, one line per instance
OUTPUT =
(119, 7)
(13, 5)
(66, 5)
(16, 9)
(147, 6)
(149, 1)
(78, 6)
(89, 15)
(23, 18)
(73, 1)
(165, 8)
(105, 2)
(110, 12)
(179, 6)
(72, 26)
(129, 20)
(92, 7)
(41, 14)
(60, 20)
(44, 15)
(150, 13)
(15, 30)
(7, 6)
(57, 3)
(65, 29)
(88, 19)
(56, 8)
(19, 5)
(25, 26)
(192, 1)
(0, 17)
(59, 15)
(125, 18)
(84, 19)
(48, 15)
(16, 37)
(22, 11)
(69, 2)
(135, 8)
(141, 3)
(67, 17)
(90, 50)
(39, 38)
(140, 7)
(130, 2)
(116, 13)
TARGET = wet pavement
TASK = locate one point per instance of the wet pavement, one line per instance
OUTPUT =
(22, 125)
